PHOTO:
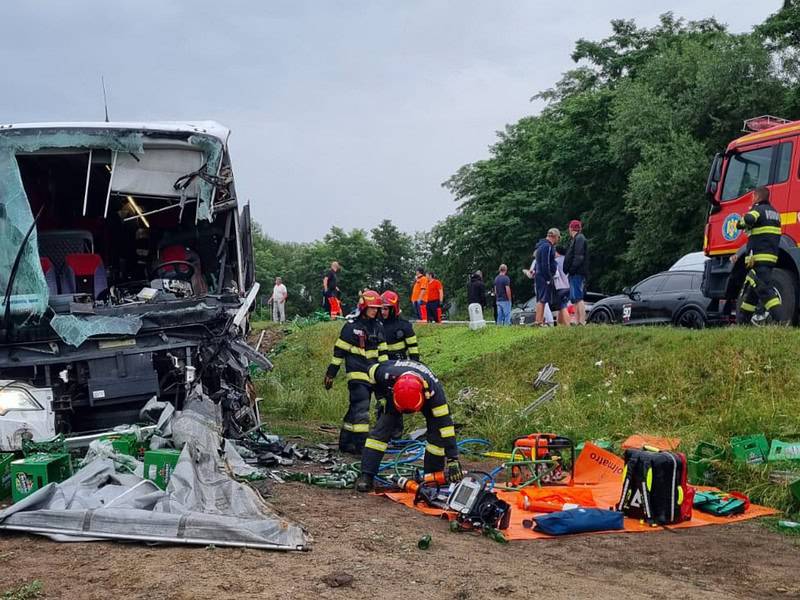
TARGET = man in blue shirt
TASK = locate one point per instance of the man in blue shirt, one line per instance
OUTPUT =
(546, 268)
(502, 291)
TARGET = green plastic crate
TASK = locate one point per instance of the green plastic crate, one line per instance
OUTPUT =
(5, 474)
(124, 443)
(784, 451)
(36, 471)
(750, 449)
(700, 461)
(159, 465)
(794, 487)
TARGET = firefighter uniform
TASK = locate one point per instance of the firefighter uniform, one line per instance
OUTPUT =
(763, 224)
(401, 341)
(441, 436)
(361, 345)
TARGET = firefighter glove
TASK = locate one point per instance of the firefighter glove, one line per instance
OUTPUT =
(328, 382)
(454, 472)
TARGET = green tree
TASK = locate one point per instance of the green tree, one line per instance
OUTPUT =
(396, 255)
(624, 144)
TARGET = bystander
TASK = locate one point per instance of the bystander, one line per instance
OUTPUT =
(278, 301)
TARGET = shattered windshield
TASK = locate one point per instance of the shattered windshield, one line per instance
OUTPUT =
(89, 186)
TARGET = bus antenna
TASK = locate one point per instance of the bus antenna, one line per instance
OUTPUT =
(105, 98)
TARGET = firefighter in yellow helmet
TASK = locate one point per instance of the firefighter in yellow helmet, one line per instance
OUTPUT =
(361, 345)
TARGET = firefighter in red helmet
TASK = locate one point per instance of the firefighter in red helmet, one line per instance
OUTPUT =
(410, 387)
(361, 345)
(401, 341)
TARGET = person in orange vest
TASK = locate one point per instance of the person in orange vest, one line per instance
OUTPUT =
(435, 299)
(419, 295)
(330, 291)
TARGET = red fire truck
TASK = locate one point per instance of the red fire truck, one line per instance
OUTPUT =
(769, 155)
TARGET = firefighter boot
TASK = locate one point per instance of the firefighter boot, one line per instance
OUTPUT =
(365, 483)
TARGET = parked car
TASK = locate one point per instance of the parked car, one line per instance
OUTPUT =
(694, 261)
(670, 297)
(525, 314)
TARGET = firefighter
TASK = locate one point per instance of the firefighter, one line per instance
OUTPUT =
(401, 343)
(361, 345)
(400, 337)
(410, 387)
(763, 224)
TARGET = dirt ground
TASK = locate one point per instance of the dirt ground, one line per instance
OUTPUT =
(374, 540)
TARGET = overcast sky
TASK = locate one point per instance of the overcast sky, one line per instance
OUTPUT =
(343, 113)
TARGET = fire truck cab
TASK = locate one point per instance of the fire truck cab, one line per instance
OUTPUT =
(768, 156)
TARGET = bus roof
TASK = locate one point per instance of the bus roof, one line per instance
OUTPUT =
(211, 128)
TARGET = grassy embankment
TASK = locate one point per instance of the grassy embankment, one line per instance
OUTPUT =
(697, 385)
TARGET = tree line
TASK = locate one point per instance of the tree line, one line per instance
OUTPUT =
(624, 143)
(383, 258)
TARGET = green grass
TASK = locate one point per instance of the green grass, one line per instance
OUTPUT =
(259, 325)
(28, 591)
(771, 523)
(697, 385)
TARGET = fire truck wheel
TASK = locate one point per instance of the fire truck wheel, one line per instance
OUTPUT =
(786, 284)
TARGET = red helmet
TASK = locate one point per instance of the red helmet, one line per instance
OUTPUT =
(369, 299)
(391, 300)
(408, 393)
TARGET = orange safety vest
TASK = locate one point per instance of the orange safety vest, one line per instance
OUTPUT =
(435, 290)
(420, 292)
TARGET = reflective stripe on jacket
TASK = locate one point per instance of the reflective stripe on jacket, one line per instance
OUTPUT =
(361, 344)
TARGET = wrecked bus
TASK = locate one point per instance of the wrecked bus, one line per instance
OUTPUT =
(126, 274)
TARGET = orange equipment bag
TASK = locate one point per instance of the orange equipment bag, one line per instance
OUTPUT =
(546, 500)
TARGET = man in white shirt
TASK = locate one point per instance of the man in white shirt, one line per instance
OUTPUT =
(278, 301)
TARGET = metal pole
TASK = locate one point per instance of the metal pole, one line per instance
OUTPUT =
(110, 181)
(157, 210)
(88, 176)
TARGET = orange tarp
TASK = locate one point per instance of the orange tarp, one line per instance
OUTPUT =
(597, 471)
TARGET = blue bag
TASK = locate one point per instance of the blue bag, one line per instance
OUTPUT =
(579, 520)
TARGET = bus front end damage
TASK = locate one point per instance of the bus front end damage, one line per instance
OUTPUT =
(126, 274)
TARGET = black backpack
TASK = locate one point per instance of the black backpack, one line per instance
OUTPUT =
(654, 487)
